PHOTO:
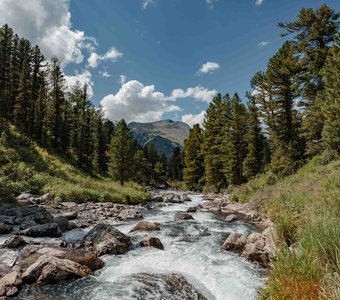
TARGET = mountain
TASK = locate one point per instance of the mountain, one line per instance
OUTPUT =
(164, 135)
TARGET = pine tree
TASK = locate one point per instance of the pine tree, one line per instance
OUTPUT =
(176, 165)
(57, 103)
(122, 153)
(331, 106)
(313, 34)
(23, 100)
(214, 134)
(193, 171)
(254, 161)
(234, 143)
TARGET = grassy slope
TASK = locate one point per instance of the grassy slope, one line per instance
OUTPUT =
(25, 167)
(306, 210)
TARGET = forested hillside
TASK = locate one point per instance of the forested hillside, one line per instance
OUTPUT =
(292, 114)
(38, 105)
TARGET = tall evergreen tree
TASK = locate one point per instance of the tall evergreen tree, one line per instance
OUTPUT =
(313, 34)
(331, 96)
(176, 165)
(122, 153)
(254, 161)
(193, 171)
(214, 134)
(234, 143)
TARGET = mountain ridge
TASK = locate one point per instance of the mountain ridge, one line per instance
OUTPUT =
(164, 135)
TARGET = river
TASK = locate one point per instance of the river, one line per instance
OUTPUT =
(191, 248)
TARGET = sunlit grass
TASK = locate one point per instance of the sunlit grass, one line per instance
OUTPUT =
(305, 208)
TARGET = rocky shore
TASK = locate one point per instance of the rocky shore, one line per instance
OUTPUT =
(46, 243)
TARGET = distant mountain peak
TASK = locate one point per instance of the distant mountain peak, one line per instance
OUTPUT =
(164, 135)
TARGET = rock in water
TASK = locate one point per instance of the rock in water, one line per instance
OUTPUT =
(145, 226)
(169, 286)
(45, 230)
(14, 242)
(184, 217)
(231, 218)
(235, 242)
(130, 214)
(152, 242)
(106, 239)
(50, 269)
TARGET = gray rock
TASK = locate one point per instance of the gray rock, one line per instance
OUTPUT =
(192, 209)
(45, 198)
(63, 223)
(14, 242)
(145, 226)
(185, 217)
(5, 228)
(50, 269)
(152, 242)
(45, 230)
(130, 214)
(172, 198)
(235, 242)
(106, 239)
(231, 218)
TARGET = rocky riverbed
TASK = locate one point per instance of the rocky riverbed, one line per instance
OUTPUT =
(179, 246)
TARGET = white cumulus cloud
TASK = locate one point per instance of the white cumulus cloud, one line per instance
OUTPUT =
(199, 93)
(83, 78)
(194, 119)
(146, 3)
(112, 55)
(263, 44)
(136, 102)
(47, 23)
(208, 67)
(122, 79)
(259, 2)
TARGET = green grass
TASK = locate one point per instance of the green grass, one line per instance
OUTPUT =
(305, 208)
(25, 167)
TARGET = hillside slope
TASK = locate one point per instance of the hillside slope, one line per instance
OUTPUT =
(164, 135)
(25, 167)
(306, 210)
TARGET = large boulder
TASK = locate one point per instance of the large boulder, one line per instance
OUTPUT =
(9, 284)
(152, 242)
(45, 230)
(14, 242)
(192, 209)
(130, 214)
(106, 239)
(235, 242)
(5, 228)
(145, 226)
(50, 269)
(254, 252)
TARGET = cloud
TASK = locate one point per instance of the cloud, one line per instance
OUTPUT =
(47, 23)
(105, 73)
(136, 102)
(147, 3)
(199, 93)
(122, 79)
(211, 3)
(208, 67)
(194, 119)
(263, 44)
(83, 78)
(259, 2)
(112, 55)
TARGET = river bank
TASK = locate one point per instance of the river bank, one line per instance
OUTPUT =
(175, 246)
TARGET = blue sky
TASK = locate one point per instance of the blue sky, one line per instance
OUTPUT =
(158, 47)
